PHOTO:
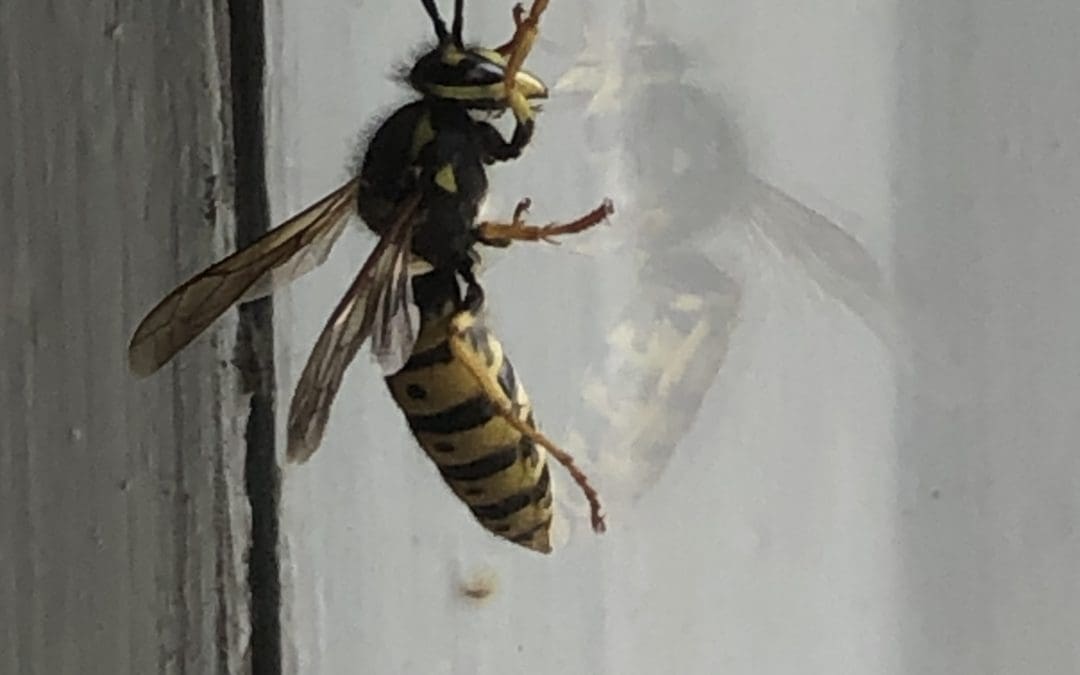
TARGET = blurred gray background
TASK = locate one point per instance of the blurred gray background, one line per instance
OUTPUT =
(864, 461)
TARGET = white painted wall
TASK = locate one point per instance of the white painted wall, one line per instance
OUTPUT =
(811, 520)
(988, 164)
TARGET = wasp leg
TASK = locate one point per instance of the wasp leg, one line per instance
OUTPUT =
(526, 29)
(498, 149)
(474, 292)
(502, 234)
(515, 51)
(503, 409)
(520, 43)
(518, 12)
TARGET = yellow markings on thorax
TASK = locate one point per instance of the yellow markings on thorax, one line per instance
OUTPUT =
(423, 134)
(445, 179)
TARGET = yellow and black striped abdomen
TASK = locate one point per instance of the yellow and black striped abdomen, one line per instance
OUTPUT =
(500, 474)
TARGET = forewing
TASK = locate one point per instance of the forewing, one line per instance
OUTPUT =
(397, 318)
(294, 247)
(374, 297)
(837, 264)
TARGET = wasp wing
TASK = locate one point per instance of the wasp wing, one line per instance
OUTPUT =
(294, 247)
(396, 317)
(377, 298)
(837, 264)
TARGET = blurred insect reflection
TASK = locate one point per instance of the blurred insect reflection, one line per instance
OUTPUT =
(685, 182)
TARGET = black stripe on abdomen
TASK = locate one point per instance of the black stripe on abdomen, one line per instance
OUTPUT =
(527, 536)
(502, 510)
(485, 467)
(467, 415)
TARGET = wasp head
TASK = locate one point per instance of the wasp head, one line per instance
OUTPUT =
(473, 76)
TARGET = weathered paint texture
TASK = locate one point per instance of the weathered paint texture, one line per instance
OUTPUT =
(121, 529)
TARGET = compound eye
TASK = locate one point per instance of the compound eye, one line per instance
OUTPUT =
(483, 73)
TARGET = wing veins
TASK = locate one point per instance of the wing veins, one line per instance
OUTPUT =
(341, 337)
(189, 309)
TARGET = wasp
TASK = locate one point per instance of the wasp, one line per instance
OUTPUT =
(419, 188)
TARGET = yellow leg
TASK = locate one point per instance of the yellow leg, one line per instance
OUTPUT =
(503, 408)
(516, 50)
(525, 31)
(502, 234)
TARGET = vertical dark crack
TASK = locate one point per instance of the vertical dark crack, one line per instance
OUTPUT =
(255, 339)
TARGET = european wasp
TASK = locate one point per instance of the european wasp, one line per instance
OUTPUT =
(419, 188)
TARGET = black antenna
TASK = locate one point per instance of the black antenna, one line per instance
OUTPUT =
(436, 20)
(459, 19)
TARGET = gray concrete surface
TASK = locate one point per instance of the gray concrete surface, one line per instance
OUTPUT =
(120, 528)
